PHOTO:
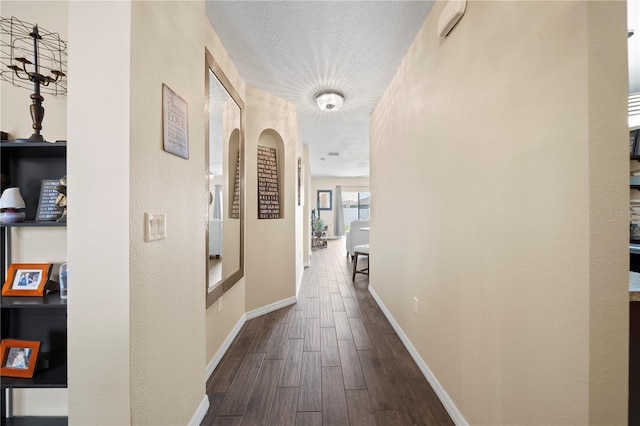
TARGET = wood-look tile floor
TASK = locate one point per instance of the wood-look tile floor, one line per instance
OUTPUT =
(330, 359)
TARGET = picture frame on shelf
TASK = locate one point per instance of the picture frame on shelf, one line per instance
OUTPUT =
(26, 279)
(48, 209)
(324, 199)
(19, 358)
(634, 142)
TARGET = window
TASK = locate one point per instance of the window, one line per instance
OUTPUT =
(355, 206)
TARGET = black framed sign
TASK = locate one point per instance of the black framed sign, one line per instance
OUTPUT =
(48, 210)
(324, 199)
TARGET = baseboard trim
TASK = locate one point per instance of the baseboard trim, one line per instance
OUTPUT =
(270, 308)
(453, 411)
(200, 412)
(225, 346)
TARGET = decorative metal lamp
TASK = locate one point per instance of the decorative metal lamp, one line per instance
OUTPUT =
(11, 206)
(33, 56)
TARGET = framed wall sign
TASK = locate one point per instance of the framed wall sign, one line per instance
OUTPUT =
(175, 123)
(48, 210)
(324, 199)
(268, 189)
(300, 182)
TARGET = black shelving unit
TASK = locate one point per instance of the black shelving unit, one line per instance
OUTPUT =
(42, 319)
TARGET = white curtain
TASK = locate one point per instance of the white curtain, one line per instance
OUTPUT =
(339, 211)
(217, 202)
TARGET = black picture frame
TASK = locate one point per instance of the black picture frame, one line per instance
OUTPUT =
(634, 142)
(325, 201)
(48, 210)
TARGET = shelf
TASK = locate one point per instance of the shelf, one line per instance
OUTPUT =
(14, 144)
(51, 300)
(35, 421)
(32, 223)
(53, 377)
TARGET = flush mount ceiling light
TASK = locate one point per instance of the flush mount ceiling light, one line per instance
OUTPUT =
(329, 101)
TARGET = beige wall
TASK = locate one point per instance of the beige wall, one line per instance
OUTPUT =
(357, 184)
(98, 155)
(514, 139)
(271, 252)
(146, 321)
(167, 276)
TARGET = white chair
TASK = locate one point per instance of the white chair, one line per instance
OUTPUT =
(356, 236)
(360, 250)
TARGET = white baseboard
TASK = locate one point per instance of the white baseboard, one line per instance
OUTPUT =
(225, 346)
(453, 411)
(200, 412)
(236, 329)
(270, 308)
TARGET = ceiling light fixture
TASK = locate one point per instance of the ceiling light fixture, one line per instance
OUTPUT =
(329, 101)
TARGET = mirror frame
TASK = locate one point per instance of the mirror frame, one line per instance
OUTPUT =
(226, 283)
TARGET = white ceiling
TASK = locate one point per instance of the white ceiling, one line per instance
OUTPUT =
(295, 49)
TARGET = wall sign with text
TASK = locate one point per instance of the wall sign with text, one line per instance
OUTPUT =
(175, 123)
(268, 194)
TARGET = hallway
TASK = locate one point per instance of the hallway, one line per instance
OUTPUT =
(330, 359)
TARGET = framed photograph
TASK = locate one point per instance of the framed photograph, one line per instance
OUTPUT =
(26, 279)
(175, 123)
(19, 358)
(634, 141)
(324, 199)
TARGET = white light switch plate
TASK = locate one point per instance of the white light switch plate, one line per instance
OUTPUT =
(155, 226)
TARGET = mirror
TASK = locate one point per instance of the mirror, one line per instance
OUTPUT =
(225, 179)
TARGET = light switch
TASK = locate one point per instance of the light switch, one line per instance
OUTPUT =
(155, 226)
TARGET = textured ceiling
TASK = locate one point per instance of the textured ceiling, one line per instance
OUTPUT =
(295, 49)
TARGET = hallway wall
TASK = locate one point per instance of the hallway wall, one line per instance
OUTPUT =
(513, 169)
(274, 251)
(137, 316)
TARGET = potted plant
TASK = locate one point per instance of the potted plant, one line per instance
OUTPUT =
(318, 226)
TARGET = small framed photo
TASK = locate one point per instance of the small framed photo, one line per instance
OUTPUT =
(324, 199)
(26, 279)
(19, 358)
(634, 142)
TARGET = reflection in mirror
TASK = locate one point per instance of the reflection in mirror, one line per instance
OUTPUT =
(224, 240)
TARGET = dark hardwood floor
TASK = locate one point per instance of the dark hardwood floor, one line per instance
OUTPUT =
(330, 359)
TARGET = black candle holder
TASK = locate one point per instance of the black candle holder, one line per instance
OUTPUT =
(34, 56)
